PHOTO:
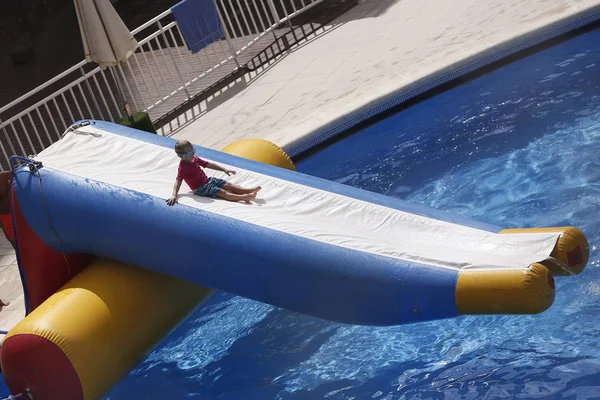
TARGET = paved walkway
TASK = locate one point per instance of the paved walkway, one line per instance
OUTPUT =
(11, 289)
(377, 51)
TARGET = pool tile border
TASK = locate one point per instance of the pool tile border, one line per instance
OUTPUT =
(457, 70)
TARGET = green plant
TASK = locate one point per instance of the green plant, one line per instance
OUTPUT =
(139, 120)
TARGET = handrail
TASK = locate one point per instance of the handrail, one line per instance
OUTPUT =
(152, 21)
(45, 99)
(43, 86)
(159, 69)
(76, 66)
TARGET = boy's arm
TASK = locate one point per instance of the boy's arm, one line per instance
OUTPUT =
(176, 187)
(173, 199)
(217, 167)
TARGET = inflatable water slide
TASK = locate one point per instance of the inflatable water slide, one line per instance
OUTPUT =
(109, 269)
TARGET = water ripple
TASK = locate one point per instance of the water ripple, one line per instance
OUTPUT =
(516, 148)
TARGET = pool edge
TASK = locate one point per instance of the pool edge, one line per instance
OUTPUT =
(471, 64)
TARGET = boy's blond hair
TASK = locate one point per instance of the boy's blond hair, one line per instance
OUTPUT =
(182, 146)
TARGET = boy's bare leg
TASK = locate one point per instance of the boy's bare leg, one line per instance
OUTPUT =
(224, 194)
(230, 187)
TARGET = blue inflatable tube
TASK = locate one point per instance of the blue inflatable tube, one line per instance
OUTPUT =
(285, 270)
(78, 215)
(302, 179)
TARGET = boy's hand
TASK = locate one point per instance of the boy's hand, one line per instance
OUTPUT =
(229, 172)
(172, 200)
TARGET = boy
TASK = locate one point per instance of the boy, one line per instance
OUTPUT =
(190, 171)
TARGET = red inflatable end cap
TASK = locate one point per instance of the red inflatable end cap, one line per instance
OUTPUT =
(35, 363)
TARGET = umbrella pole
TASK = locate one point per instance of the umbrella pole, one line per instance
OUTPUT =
(126, 109)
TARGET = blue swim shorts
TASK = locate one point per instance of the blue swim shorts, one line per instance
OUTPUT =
(210, 188)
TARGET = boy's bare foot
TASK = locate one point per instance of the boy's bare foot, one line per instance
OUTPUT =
(248, 197)
(256, 189)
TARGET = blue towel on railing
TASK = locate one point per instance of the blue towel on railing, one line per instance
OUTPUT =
(199, 23)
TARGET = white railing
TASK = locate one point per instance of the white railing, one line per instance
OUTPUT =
(158, 77)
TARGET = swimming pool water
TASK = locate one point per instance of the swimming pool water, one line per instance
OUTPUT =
(518, 147)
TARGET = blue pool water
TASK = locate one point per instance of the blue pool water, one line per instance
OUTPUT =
(518, 147)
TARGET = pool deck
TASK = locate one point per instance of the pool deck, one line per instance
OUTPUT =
(380, 53)
(11, 289)
(377, 53)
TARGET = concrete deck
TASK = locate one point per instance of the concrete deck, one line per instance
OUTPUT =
(11, 289)
(374, 54)
(379, 53)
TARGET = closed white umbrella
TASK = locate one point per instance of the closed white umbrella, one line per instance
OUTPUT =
(106, 39)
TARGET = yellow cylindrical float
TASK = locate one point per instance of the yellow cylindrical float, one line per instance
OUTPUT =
(262, 151)
(571, 252)
(90, 333)
(522, 291)
(508, 291)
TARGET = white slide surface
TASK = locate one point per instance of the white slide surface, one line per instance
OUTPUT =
(298, 209)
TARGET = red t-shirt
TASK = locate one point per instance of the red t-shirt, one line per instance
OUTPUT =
(191, 173)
